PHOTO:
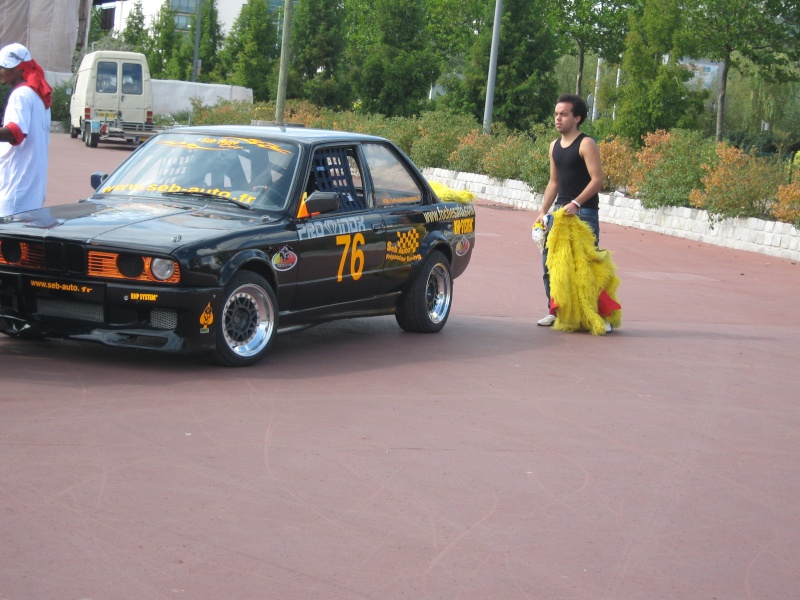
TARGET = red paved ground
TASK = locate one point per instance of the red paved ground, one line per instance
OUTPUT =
(497, 459)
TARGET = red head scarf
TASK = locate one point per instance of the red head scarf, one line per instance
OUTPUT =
(33, 77)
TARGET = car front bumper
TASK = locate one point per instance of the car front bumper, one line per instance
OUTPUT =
(123, 314)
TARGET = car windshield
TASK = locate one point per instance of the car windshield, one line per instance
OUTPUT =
(250, 172)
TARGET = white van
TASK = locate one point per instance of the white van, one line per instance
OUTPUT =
(112, 98)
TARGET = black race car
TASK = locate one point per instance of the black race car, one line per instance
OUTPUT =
(213, 239)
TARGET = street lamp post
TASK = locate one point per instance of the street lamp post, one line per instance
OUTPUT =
(487, 111)
(198, 7)
(280, 103)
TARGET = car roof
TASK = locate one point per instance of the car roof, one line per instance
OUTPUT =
(302, 135)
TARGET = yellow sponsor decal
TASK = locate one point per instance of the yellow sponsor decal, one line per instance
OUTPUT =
(206, 319)
(447, 213)
(463, 226)
(61, 287)
(143, 297)
(172, 188)
(405, 248)
(225, 143)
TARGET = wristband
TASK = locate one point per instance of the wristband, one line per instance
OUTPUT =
(575, 203)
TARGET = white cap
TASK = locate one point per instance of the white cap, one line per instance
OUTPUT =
(12, 55)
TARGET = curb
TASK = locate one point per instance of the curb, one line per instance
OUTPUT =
(773, 238)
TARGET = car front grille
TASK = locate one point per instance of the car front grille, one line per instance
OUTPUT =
(54, 257)
(69, 309)
(163, 319)
(64, 258)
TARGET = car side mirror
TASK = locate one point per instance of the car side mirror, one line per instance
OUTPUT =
(98, 179)
(322, 202)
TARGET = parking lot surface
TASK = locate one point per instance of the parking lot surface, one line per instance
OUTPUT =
(496, 459)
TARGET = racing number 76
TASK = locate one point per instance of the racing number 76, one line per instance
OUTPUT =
(351, 244)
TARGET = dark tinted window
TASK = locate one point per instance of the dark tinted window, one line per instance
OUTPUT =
(107, 77)
(132, 78)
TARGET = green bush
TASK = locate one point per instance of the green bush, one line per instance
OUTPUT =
(670, 169)
(739, 185)
(59, 111)
(472, 149)
(438, 135)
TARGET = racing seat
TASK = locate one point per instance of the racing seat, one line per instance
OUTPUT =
(332, 174)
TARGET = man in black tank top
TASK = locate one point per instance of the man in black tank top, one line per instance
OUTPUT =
(576, 176)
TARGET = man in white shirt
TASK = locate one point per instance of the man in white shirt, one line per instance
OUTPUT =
(25, 134)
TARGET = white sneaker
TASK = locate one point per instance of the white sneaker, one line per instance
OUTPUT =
(546, 321)
(608, 327)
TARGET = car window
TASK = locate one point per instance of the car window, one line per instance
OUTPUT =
(392, 182)
(106, 77)
(336, 169)
(253, 171)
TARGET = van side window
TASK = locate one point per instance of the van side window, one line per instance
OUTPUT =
(132, 78)
(107, 77)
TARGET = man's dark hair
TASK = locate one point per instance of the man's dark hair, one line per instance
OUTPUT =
(578, 106)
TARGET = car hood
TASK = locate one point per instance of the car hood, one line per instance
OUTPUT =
(139, 223)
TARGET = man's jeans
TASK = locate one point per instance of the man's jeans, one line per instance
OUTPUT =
(590, 216)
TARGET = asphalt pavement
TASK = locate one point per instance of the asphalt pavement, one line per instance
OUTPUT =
(496, 459)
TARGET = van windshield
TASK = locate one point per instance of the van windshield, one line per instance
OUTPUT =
(257, 172)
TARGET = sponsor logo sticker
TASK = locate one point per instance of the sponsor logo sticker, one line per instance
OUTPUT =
(284, 259)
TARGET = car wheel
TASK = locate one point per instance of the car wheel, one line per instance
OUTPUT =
(249, 320)
(425, 305)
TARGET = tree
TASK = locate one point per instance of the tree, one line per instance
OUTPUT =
(211, 39)
(765, 33)
(654, 94)
(593, 26)
(318, 52)
(399, 71)
(250, 50)
(163, 41)
(453, 26)
(135, 34)
(525, 89)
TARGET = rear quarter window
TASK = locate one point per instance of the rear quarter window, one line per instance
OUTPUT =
(392, 182)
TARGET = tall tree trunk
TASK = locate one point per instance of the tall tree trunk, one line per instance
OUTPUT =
(579, 82)
(723, 88)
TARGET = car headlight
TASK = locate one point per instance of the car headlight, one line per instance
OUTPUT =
(162, 268)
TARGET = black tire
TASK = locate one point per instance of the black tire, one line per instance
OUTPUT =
(74, 131)
(248, 320)
(425, 306)
(25, 335)
(92, 140)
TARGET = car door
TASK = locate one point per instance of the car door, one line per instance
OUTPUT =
(341, 254)
(399, 196)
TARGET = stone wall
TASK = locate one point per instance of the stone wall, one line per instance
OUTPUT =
(767, 237)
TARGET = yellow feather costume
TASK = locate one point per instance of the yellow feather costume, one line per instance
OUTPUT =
(448, 194)
(579, 274)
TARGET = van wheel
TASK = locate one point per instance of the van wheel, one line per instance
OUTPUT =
(91, 139)
(74, 131)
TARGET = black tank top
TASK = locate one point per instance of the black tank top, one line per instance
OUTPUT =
(573, 176)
